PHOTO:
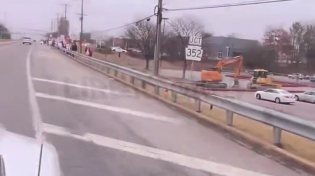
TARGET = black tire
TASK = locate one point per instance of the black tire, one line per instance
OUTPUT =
(277, 100)
(296, 98)
(258, 96)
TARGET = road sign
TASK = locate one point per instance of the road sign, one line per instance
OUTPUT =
(194, 40)
(194, 53)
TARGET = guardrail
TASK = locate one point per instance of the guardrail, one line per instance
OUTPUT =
(279, 121)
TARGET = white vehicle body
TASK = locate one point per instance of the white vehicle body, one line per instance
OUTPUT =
(296, 76)
(27, 40)
(308, 96)
(135, 50)
(276, 95)
(118, 49)
(20, 156)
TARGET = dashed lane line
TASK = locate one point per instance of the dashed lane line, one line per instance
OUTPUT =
(112, 108)
(80, 86)
(179, 159)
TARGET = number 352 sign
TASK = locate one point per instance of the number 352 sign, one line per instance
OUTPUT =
(194, 53)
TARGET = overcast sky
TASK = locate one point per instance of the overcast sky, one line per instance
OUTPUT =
(246, 22)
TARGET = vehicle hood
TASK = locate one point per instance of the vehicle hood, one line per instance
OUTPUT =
(21, 156)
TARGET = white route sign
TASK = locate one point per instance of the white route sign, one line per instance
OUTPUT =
(193, 53)
(194, 40)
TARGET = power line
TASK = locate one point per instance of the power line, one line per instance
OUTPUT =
(110, 29)
(247, 3)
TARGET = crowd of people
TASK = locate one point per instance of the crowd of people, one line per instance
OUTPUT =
(69, 46)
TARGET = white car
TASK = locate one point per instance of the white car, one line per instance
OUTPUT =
(26, 40)
(118, 49)
(135, 50)
(276, 95)
(296, 76)
(308, 96)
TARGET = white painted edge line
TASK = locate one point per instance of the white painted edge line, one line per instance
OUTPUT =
(111, 108)
(179, 159)
(80, 86)
(36, 118)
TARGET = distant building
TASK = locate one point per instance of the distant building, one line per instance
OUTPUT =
(218, 47)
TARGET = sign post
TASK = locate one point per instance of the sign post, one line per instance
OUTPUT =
(194, 52)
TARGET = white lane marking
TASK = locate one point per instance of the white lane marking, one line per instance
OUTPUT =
(80, 86)
(187, 161)
(111, 108)
(37, 121)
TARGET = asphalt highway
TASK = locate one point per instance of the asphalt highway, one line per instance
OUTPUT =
(98, 126)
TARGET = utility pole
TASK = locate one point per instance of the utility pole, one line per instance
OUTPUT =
(57, 25)
(66, 9)
(52, 26)
(158, 39)
(162, 48)
(81, 31)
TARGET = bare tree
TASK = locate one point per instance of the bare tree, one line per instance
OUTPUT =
(182, 29)
(297, 31)
(279, 42)
(144, 33)
(4, 32)
(309, 43)
(232, 35)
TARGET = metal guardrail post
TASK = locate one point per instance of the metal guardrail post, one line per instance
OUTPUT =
(174, 97)
(108, 70)
(143, 84)
(229, 118)
(156, 90)
(277, 136)
(197, 105)
(115, 73)
(122, 76)
(132, 80)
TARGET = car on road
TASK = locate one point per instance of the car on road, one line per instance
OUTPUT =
(312, 78)
(27, 40)
(118, 49)
(296, 76)
(308, 96)
(134, 50)
(276, 95)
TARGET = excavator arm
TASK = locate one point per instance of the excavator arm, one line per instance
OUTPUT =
(238, 60)
(215, 75)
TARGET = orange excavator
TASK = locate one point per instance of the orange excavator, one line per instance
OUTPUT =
(212, 77)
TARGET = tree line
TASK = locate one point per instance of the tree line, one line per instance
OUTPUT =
(4, 32)
(280, 49)
(285, 50)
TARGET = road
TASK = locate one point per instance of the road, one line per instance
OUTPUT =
(195, 76)
(98, 126)
(299, 109)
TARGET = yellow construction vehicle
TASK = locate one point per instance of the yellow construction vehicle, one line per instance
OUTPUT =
(260, 79)
(213, 77)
